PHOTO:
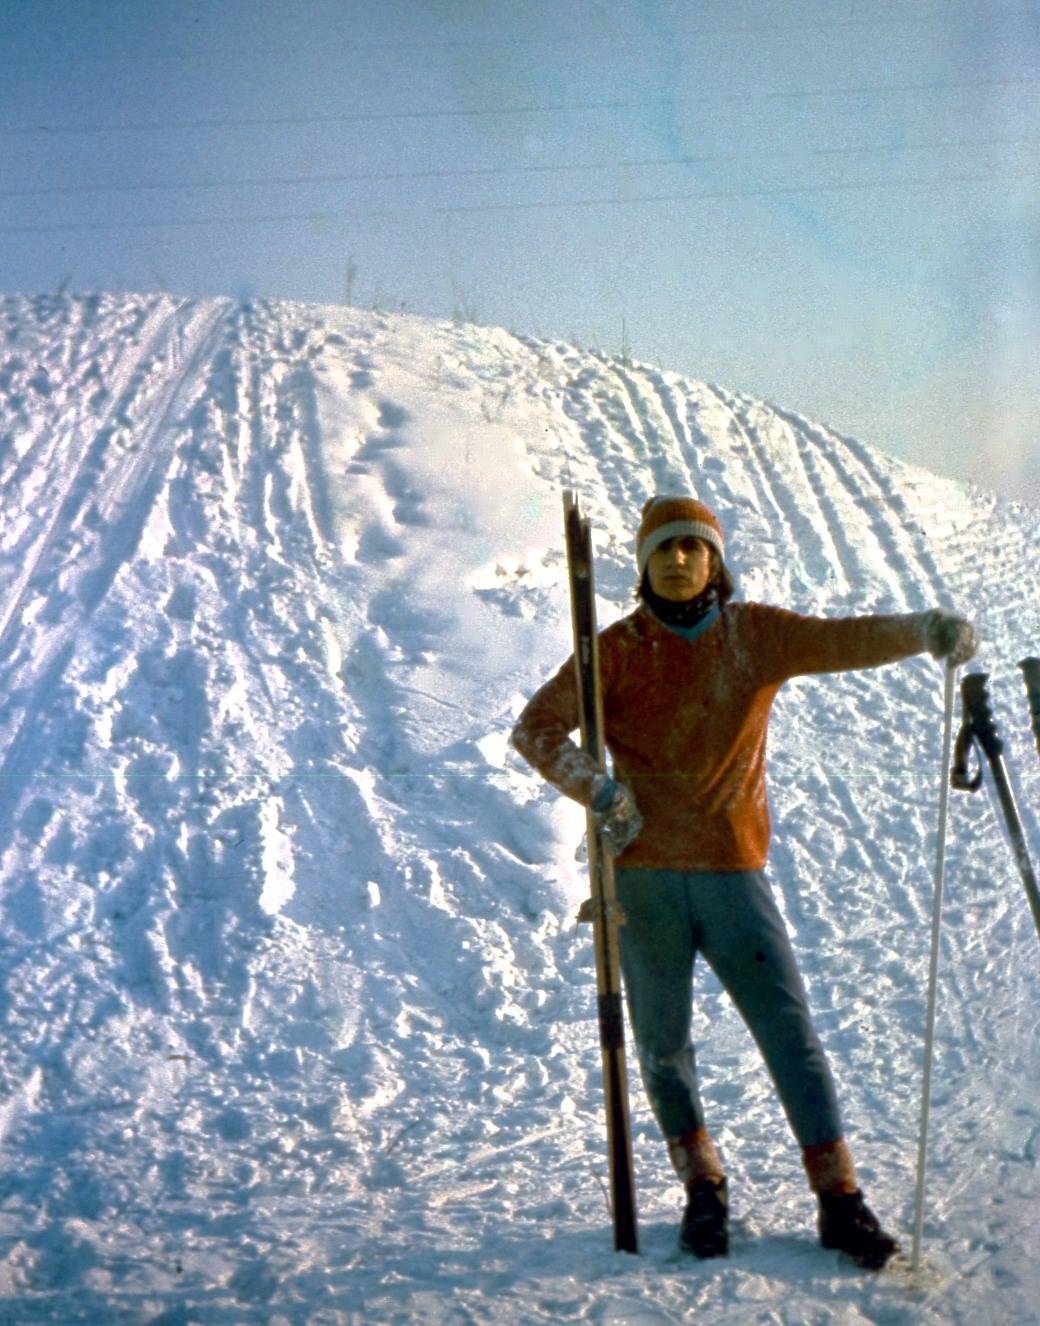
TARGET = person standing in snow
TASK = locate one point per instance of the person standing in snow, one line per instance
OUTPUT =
(688, 681)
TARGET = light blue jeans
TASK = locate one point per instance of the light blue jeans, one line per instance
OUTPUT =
(731, 918)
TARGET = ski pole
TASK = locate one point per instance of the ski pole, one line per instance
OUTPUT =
(1031, 676)
(933, 971)
(979, 729)
(604, 908)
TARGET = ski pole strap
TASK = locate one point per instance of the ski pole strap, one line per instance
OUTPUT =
(960, 777)
(978, 729)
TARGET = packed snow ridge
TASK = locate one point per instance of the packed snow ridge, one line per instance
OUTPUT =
(298, 1024)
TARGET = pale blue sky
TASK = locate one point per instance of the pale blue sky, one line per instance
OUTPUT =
(829, 203)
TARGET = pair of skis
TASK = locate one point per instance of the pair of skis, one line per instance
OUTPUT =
(602, 907)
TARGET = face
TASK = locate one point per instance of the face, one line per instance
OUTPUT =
(680, 569)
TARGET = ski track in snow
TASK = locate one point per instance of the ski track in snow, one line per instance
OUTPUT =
(299, 1024)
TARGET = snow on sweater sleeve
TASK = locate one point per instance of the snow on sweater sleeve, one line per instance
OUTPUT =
(542, 732)
(791, 645)
(542, 736)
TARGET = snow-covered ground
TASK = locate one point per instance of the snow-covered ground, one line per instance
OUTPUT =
(298, 1026)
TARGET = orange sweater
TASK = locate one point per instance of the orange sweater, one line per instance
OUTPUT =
(685, 721)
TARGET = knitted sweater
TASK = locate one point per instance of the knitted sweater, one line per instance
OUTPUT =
(685, 721)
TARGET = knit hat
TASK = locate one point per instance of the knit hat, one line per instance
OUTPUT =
(679, 517)
(675, 518)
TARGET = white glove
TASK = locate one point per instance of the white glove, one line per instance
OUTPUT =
(616, 814)
(950, 637)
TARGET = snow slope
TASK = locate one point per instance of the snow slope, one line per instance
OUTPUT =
(298, 1025)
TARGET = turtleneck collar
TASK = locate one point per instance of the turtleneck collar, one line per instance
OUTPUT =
(680, 616)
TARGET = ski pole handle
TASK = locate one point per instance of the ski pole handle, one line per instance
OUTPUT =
(1031, 676)
(978, 709)
(975, 701)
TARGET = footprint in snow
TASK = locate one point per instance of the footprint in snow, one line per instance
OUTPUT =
(377, 544)
(181, 603)
(391, 415)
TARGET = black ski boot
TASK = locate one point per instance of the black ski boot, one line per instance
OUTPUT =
(848, 1225)
(705, 1224)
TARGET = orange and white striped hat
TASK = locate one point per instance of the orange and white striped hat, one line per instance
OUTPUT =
(679, 517)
